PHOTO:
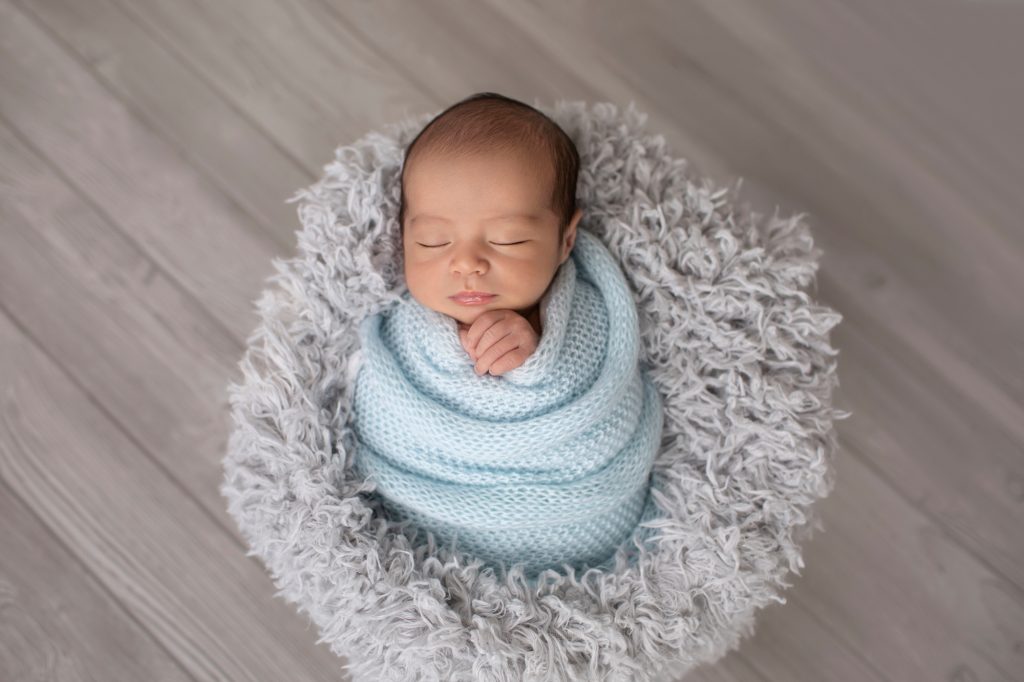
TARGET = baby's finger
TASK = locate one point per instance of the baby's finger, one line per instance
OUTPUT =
(480, 327)
(489, 356)
(497, 332)
(508, 361)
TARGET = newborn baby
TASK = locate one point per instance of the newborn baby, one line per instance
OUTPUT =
(487, 218)
(549, 464)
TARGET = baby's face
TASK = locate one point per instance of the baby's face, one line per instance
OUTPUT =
(481, 223)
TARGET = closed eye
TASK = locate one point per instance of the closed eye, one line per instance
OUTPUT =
(435, 246)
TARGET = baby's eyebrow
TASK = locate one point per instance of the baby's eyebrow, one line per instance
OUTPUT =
(527, 216)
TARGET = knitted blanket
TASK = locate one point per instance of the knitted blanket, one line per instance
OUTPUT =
(545, 465)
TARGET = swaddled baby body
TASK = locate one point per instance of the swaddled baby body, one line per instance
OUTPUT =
(542, 456)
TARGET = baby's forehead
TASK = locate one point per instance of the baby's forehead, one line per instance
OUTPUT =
(534, 171)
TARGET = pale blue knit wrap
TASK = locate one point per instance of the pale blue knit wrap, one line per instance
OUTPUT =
(546, 464)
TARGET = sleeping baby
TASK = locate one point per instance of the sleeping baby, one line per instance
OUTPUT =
(485, 224)
(501, 406)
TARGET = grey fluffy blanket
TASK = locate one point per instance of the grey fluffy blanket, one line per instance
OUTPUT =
(739, 352)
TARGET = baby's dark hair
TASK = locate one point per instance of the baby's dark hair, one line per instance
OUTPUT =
(488, 121)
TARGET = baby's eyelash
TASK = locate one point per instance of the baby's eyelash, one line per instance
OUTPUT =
(435, 246)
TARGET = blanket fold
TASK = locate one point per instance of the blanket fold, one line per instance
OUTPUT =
(548, 464)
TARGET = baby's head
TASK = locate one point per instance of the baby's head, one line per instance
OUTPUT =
(488, 204)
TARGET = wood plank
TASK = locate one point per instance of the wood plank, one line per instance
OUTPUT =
(924, 419)
(384, 53)
(888, 581)
(217, 137)
(306, 83)
(183, 101)
(855, 276)
(900, 588)
(943, 82)
(863, 170)
(795, 644)
(98, 448)
(731, 668)
(945, 453)
(149, 353)
(58, 622)
(192, 231)
(153, 548)
(494, 51)
(885, 578)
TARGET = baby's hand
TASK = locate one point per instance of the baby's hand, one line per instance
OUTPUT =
(498, 340)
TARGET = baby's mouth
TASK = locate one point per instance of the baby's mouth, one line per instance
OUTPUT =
(469, 297)
(472, 298)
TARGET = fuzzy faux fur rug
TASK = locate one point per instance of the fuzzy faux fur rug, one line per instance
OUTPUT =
(737, 348)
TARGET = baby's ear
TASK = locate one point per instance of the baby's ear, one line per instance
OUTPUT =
(577, 214)
(570, 235)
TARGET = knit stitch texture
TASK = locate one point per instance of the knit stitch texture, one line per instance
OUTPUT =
(546, 464)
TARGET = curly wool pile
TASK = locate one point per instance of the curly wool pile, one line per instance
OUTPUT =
(740, 355)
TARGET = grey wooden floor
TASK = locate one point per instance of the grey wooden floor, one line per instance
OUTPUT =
(147, 148)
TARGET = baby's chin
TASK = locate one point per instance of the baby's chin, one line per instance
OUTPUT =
(467, 314)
